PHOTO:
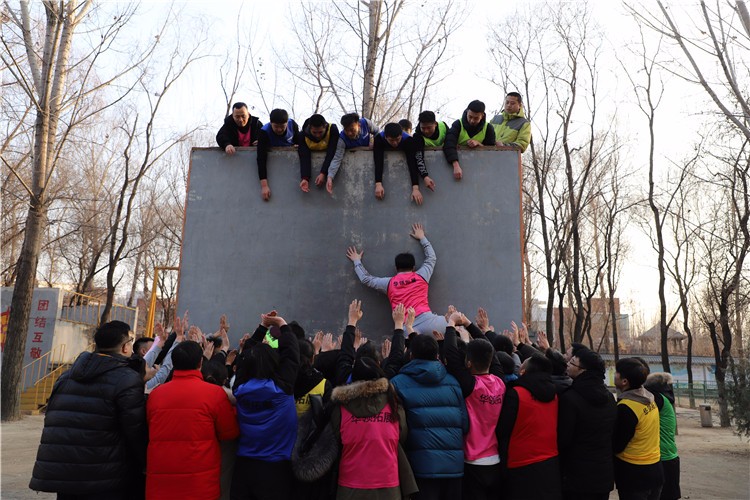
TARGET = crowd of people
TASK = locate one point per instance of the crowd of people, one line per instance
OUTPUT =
(509, 129)
(447, 408)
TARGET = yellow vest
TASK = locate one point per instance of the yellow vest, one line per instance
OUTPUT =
(303, 403)
(322, 144)
(643, 448)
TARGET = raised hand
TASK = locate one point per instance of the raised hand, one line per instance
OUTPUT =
(317, 341)
(357, 338)
(541, 340)
(160, 333)
(409, 321)
(224, 340)
(353, 254)
(417, 231)
(327, 344)
(457, 318)
(244, 339)
(195, 334)
(263, 318)
(438, 336)
(523, 334)
(398, 315)
(208, 350)
(482, 320)
(385, 350)
(274, 320)
(355, 312)
(223, 325)
(451, 310)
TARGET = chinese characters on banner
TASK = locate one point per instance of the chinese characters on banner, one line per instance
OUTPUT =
(45, 305)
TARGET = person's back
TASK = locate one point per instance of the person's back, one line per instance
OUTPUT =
(187, 417)
(437, 420)
(584, 430)
(635, 442)
(94, 440)
(528, 431)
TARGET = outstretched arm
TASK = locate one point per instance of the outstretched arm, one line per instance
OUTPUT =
(430, 258)
(379, 284)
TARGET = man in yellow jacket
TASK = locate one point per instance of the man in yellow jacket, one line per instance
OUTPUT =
(511, 127)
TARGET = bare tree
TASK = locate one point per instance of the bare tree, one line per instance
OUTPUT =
(390, 67)
(59, 109)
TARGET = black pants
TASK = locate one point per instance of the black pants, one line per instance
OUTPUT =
(481, 482)
(259, 480)
(114, 495)
(577, 495)
(671, 488)
(652, 494)
(438, 489)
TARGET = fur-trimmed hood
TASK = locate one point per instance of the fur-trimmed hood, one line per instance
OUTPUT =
(363, 398)
(660, 382)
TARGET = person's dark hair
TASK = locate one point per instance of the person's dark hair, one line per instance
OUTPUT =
(306, 353)
(476, 106)
(559, 365)
(480, 353)
(392, 130)
(214, 372)
(405, 125)
(187, 355)
(575, 347)
(405, 262)
(368, 350)
(262, 362)
(633, 370)
(317, 120)
(506, 361)
(367, 369)
(279, 116)
(537, 363)
(591, 361)
(139, 342)
(297, 329)
(427, 117)
(110, 336)
(348, 119)
(501, 343)
(239, 105)
(516, 95)
(424, 347)
(644, 363)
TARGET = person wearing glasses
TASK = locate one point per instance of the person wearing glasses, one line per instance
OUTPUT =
(585, 423)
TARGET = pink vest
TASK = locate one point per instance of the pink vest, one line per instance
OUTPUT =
(483, 406)
(369, 455)
(409, 289)
(244, 138)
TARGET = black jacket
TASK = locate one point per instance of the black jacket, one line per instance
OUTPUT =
(451, 138)
(586, 419)
(227, 134)
(94, 438)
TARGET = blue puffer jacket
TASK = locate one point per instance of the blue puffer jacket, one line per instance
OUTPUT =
(436, 416)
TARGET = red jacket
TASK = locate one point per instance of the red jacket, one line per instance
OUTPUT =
(187, 418)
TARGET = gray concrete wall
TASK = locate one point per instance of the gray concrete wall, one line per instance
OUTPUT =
(242, 256)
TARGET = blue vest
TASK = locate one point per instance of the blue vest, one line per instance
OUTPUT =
(283, 141)
(364, 136)
(404, 136)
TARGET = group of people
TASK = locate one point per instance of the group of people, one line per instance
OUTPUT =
(445, 409)
(510, 129)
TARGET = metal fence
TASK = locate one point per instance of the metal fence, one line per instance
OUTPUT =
(87, 310)
(703, 392)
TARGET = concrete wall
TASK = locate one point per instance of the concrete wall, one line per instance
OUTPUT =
(242, 256)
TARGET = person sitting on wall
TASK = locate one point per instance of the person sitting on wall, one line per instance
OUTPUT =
(394, 139)
(430, 130)
(280, 132)
(316, 135)
(472, 131)
(407, 287)
(357, 133)
(511, 127)
(240, 129)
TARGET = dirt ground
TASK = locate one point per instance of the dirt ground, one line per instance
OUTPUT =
(715, 462)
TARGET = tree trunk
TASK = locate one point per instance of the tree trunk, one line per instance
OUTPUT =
(373, 43)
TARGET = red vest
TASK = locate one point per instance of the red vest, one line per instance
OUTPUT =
(369, 455)
(409, 289)
(244, 138)
(534, 436)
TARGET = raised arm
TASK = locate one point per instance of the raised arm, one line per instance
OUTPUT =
(345, 360)
(430, 258)
(455, 362)
(379, 284)
(286, 374)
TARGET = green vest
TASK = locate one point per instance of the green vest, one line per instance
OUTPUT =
(667, 427)
(463, 137)
(437, 143)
